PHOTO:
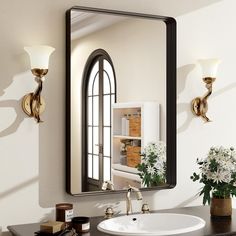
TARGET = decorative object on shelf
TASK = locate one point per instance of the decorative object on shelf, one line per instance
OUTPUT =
(218, 174)
(123, 125)
(199, 105)
(152, 169)
(33, 104)
(135, 125)
(133, 155)
(123, 152)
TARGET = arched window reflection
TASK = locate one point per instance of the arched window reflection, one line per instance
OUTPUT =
(99, 95)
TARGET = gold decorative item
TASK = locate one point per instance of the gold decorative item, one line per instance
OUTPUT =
(109, 213)
(221, 207)
(199, 105)
(33, 104)
(145, 208)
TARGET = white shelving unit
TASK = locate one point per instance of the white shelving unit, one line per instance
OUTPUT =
(126, 137)
(122, 175)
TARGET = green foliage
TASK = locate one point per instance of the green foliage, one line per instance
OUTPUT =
(152, 169)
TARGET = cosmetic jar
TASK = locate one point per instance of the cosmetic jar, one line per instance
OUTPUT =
(81, 224)
(64, 212)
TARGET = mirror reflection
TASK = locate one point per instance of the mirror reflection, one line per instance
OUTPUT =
(118, 102)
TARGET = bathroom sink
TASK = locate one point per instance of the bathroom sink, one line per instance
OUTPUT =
(153, 224)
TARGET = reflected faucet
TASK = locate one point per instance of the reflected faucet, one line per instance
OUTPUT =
(128, 198)
(108, 185)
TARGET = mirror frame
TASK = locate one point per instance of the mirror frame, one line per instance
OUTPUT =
(170, 96)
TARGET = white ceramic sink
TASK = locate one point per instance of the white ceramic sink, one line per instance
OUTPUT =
(153, 224)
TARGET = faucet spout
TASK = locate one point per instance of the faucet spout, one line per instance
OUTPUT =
(128, 202)
(128, 198)
(137, 192)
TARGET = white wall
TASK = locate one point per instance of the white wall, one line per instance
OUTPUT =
(32, 158)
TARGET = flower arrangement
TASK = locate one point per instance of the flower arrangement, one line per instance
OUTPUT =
(217, 173)
(152, 169)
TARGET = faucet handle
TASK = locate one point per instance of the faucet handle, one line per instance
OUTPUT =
(109, 213)
(145, 208)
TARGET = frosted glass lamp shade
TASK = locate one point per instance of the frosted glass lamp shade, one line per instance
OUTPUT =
(209, 67)
(39, 56)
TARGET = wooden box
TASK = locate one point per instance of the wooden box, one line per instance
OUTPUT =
(133, 156)
(135, 126)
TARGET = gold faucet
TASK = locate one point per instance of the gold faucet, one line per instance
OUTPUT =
(128, 198)
(107, 185)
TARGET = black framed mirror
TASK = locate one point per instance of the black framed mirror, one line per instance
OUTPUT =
(120, 101)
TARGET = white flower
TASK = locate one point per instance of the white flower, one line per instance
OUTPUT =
(217, 177)
(219, 165)
(226, 177)
(151, 170)
(154, 158)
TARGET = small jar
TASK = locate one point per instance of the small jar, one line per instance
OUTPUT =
(123, 160)
(64, 212)
(81, 224)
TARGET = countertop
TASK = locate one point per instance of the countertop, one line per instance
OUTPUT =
(214, 226)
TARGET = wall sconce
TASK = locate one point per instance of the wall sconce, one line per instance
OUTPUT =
(33, 104)
(209, 69)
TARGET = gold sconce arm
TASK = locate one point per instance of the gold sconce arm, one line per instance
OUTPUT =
(199, 105)
(33, 104)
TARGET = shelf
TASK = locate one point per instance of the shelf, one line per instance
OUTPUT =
(126, 137)
(125, 168)
(126, 175)
(149, 132)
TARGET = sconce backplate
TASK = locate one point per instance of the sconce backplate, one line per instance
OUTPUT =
(26, 105)
(200, 107)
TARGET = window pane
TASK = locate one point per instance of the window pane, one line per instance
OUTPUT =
(112, 99)
(90, 166)
(90, 140)
(96, 86)
(109, 70)
(95, 140)
(106, 168)
(95, 111)
(106, 84)
(107, 141)
(95, 167)
(90, 110)
(106, 110)
(91, 77)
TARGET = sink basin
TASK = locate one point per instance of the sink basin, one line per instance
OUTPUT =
(153, 224)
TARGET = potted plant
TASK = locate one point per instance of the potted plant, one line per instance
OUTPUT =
(218, 174)
(152, 169)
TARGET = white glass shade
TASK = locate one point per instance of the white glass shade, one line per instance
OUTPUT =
(39, 56)
(209, 67)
